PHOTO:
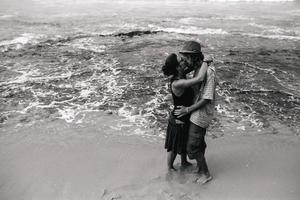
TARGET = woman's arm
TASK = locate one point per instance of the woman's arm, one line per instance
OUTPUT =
(184, 83)
(181, 110)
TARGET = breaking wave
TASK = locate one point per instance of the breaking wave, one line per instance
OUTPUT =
(278, 37)
(251, 1)
(275, 30)
(20, 41)
(195, 20)
(6, 16)
(190, 30)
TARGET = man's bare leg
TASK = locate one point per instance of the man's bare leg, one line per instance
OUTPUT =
(184, 162)
(203, 172)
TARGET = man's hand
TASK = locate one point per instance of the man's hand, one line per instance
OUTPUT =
(208, 59)
(181, 111)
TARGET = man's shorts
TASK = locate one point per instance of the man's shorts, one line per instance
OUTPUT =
(196, 141)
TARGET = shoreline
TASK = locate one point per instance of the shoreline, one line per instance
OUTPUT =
(56, 160)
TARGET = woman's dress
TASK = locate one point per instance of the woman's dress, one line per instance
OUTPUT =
(177, 133)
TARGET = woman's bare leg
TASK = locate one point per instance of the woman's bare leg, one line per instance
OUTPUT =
(171, 159)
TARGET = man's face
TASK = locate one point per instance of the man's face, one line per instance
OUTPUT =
(188, 60)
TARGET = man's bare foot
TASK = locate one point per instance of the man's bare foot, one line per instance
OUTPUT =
(204, 178)
(199, 172)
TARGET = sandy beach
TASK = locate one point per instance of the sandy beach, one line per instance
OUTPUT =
(102, 158)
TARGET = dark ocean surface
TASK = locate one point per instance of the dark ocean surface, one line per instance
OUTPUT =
(64, 59)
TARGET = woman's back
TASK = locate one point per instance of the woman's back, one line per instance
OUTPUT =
(185, 99)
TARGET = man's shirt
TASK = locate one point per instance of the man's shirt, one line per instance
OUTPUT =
(204, 115)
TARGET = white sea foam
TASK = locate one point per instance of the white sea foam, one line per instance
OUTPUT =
(95, 48)
(193, 20)
(262, 26)
(88, 44)
(110, 29)
(241, 128)
(297, 11)
(67, 114)
(273, 73)
(135, 115)
(274, 29)
(29, 76)
(222, 109)
(70, 109)
(23, 39)
(75, 114)
(251, 0)
(6, 16)
(126, 112)
(20, 41)
(234, 17)
(277, 37)
(86, 93)
(31, 105)
(190, 30)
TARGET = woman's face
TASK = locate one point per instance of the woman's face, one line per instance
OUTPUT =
(180, 70)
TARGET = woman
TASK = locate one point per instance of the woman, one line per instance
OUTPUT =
(182, 93)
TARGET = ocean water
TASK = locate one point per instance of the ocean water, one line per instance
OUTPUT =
(63, 59)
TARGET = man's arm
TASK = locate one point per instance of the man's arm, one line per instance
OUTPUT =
(207, 96)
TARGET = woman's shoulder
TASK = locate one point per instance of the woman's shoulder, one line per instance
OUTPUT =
(174, 78)
(177, 91)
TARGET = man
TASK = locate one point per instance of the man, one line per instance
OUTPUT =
(201, 111)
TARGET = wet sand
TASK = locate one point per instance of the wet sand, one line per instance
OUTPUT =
(99, 160)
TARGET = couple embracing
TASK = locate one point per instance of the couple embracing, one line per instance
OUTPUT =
(193, 100)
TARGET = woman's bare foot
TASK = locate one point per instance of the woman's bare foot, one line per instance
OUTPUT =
(171, 169)
(186, 164)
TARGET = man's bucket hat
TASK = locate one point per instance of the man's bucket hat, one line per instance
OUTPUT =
(191, 47)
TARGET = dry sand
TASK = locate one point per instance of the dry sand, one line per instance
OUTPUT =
(99, 160)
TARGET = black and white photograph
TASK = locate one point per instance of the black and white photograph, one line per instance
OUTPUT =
(149, 99)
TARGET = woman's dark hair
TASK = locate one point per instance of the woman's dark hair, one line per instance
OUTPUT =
(170, 65)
